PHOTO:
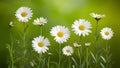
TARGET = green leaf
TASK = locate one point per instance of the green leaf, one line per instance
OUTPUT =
(55, 63)
(102, 65)
(43, 62)
(83, 64)
(93, 56)
(104, 60)
(73, 59)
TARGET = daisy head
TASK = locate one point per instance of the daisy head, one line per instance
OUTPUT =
(40, 21)
(106, 33)
(67, 50)
(61, 33)
(97, 16)
(87, 44)
(40, 44)
(81, 27)
(23, 14)
(76, 45)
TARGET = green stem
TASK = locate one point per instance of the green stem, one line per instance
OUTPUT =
(49, 62)
(24, 38)
(69, 62)
(107, 53)
(40, 30)
(24, 45)
(39, 60)
(96, 39)
(87, 57)
(79, 57)
(59, 56)
(11, 51)
(80, 51)
(96, 32)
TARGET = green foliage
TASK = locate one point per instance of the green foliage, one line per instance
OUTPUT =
(56, 15)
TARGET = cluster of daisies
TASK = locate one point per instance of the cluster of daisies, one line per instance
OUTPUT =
(60, 33)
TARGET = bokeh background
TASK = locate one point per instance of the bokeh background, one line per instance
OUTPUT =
(60, 12)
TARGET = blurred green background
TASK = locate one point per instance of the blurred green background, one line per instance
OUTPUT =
(60, 12)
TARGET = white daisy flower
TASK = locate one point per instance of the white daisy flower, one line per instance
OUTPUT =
(97, 16)
(81, 27)
(67, 50)
(61, 33)
(87, 44)
(40, 44)
(76, 45)
(23, 14)
(11, 24)
(40, 21)
(106, 33)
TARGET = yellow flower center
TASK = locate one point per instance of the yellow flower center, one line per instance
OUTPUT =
(24, 14)
(41, 44)
(82, 27)
(97, 16)
(40, 23)
(60, 34)
(107, 33)
(68, 51)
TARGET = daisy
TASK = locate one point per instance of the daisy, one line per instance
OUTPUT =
(76, 45)
(106, 33)
(40, 44)
(40, 21)
(61, 33)
(67, 50)
(23, 14)
(87, 44)
(97, 16)
(81, 27)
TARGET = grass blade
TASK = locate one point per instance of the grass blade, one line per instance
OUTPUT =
(75, 62)
(93, 56)
(104, 60)
(102, 65)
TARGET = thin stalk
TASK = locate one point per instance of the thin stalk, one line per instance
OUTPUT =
(11, 51)
(39, 60)
(40, 30)
(107, 53)
(96, 31)
(49, 62)
(87, 57)
(24, 45)
(80, 51)
(79, 57)
(69, 62)
(24, 38)
(96, 39)
(59, 56)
